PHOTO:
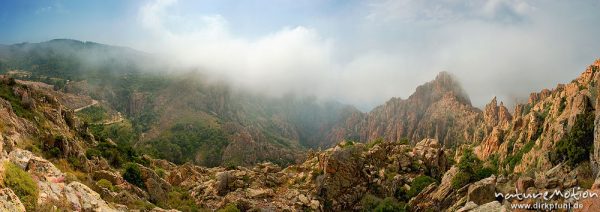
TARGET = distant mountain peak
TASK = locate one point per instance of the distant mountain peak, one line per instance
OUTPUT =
(444, 82)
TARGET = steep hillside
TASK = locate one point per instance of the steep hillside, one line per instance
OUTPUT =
(438, 109)
(554, 126)
(192, 118)
(50, 158)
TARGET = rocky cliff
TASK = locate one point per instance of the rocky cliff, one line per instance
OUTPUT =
(438, 109)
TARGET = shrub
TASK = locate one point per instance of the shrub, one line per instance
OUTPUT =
(229, 208)
(133, 175)
(485, 172)
(389, 204)
(104, 183)
(460, 179)
(469, 162)
(576, 146)
(369, 202)
(160, 172)
(75, 162)
(514, 159)
(374, 142)
(472, 169)
(404, 141)
(373, 203)
(418, 184)
(563, 104)
(54, 152)
(22, 184)
(179, 199)
(494, 161)
(401, 193)
(91, 153)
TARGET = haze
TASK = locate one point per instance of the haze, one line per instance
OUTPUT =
(357, 52)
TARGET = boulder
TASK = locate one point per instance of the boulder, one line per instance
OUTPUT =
(20, 157)
(157, 187)
(494, 206)
(524, 182)
(468, 206)
(259, 193)
(82, 198)
(44, 170)
(482, 192)
(9, 201)
(432, 154)
(223, 181)
(114, 178)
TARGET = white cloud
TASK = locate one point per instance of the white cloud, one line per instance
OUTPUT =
(294, 59)
(506, 48)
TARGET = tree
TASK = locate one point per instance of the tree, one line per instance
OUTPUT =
(133, 175)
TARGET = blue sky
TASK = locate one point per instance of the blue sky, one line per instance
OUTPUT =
(358, 52)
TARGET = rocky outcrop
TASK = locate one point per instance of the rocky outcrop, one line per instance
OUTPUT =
(157, 187)
(438, 109)
(433, 156)
(9, 201)
(53, 187)
(438, 197)
(482, 191)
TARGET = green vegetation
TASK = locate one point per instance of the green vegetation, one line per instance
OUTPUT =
(418, 184)
(179, 198)
(373, 203)
(229, 208)
(104, 183)
(404, 141)
(514, 159)
(133, 175)
(563, 104)
(93, 114)
(471, 169)
(347, 144)
(372, 143)
(544, 113)
(526, 109)
(116, 155)
(21, 108)
(121, 133)
(190, 141)
(460, 179)
(494, 160)
(22, 184)
(576, 146)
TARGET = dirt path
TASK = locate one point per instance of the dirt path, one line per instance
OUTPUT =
(94, 102)
(115, 120)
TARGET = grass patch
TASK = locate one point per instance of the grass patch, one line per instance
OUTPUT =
(20, 108)
(22, 184)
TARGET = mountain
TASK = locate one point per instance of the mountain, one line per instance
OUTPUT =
(438, 109)
(115, 136)
(179, 115)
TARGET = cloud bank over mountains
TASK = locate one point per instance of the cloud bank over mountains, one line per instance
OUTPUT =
(375, 50)
(357, 52)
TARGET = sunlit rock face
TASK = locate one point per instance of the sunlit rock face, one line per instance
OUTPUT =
(438, 109)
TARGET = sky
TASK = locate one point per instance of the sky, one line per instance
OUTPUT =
(359, 52)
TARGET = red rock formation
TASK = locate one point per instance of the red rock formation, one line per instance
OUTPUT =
(438, 109)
